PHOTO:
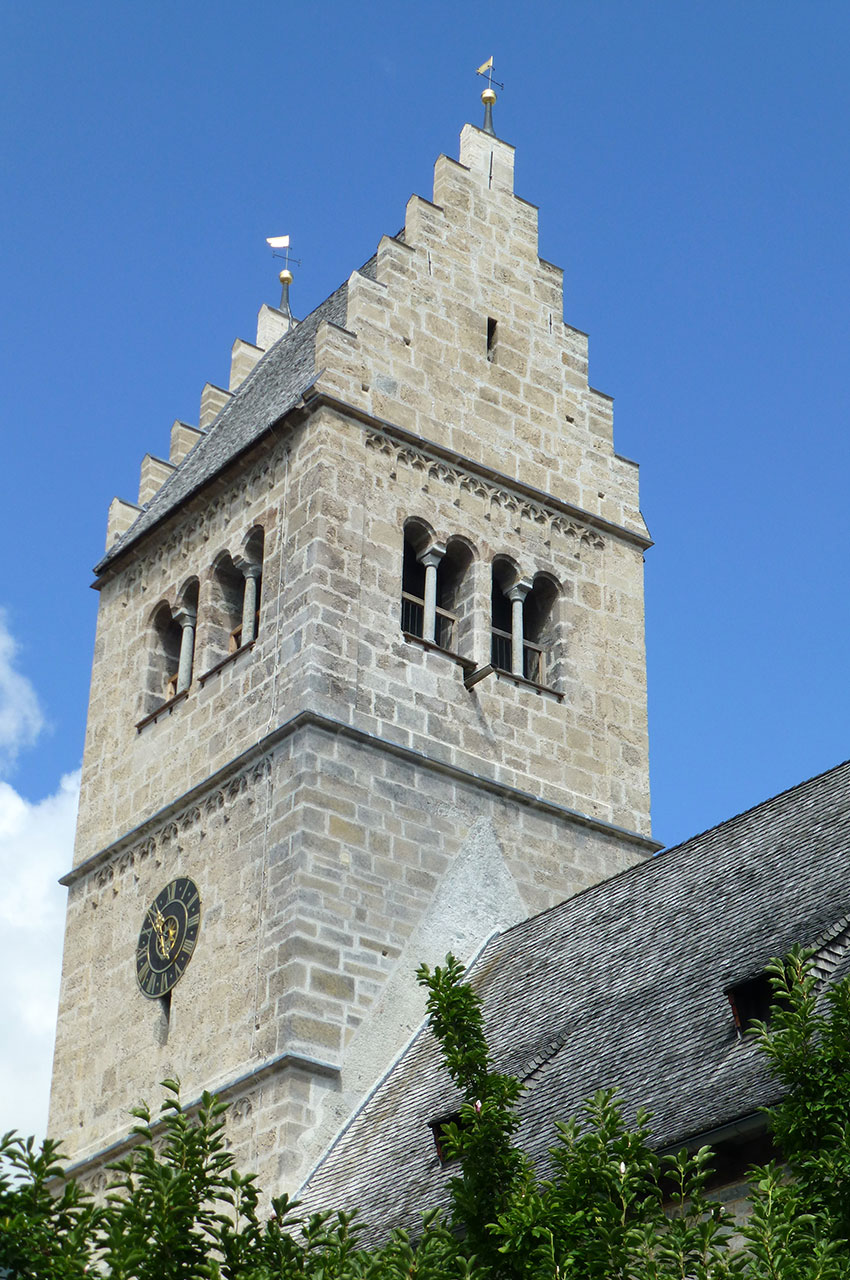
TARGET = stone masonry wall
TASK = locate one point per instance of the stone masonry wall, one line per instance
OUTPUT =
(345, 804)
(327, 872)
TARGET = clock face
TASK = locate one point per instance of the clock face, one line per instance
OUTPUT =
(167, 937)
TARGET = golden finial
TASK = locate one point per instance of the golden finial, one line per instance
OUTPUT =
(488, 97)
(285, 277)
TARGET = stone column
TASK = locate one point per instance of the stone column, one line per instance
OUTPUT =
(430, 559)
(187, 619)
(516, 594)
(249, 601)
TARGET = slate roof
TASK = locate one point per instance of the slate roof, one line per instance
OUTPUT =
(622, 985)
(272, 388)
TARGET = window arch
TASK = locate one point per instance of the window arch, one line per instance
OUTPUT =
(418, 537)
(235, 603)
(539, 626)
(505, 575)
(172, 648)
(523, 622)
(436, 600)
(454, 597)
(163, 657)
(225, 614)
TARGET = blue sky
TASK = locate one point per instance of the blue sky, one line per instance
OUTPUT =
(690, 164)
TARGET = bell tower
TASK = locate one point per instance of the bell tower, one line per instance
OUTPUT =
(368, 685)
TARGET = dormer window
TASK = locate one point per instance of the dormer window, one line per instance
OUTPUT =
(750, 1002)
(439, 1128)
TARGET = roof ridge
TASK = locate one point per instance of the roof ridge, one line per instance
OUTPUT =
(282, 398)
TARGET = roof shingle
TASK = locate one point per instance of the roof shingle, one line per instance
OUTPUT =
(622, 985)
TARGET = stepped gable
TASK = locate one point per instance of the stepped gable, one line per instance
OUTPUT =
(270, 391)
(622, 985)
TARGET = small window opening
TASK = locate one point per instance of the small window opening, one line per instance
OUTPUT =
(500, 642)
(538, 621)
(453, 595)
(166, 657)
(750, 1002)
(439, 1132)
(412, 591)
(491, 338)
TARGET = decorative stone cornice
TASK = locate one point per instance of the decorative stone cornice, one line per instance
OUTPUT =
(452, 468)
(174, 538)
(223, 787)
(499, 493)
(159, 833)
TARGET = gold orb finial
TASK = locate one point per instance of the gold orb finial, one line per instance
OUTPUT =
(286, 276)
(488, 97)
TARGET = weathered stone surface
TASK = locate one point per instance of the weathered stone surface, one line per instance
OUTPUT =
(345, 804)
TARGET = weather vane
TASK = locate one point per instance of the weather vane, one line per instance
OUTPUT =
(488, 97)
(276, 243)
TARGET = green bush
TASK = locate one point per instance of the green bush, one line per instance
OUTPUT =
(610, 1209)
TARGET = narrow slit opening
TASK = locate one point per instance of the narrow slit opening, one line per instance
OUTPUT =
(491, 338)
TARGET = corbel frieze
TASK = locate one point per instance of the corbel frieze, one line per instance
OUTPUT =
(162, 840)
(499, 496)
(181, 541)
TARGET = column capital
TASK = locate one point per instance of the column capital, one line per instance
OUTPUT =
(432, 555)
(248, 568)
(185, 616)
(519, 590)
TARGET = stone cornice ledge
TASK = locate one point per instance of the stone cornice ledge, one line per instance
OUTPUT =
(314, 719)
(410, 440)
(283, 1061)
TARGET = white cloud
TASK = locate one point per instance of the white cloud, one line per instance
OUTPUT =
(21, 719)
(36, 842)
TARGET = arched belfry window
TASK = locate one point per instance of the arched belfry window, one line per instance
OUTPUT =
(453, 613)
(164, 658)
(225, 610)
(539, 622)
(523, 623)
(505, 574)
(235, 599)
(172, 648)
(417, 540)
(435, 597)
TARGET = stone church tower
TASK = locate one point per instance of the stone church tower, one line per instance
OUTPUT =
(368, 685)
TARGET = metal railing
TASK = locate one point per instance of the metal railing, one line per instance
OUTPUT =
(412, 614)
(413, 621)
(533, 656)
